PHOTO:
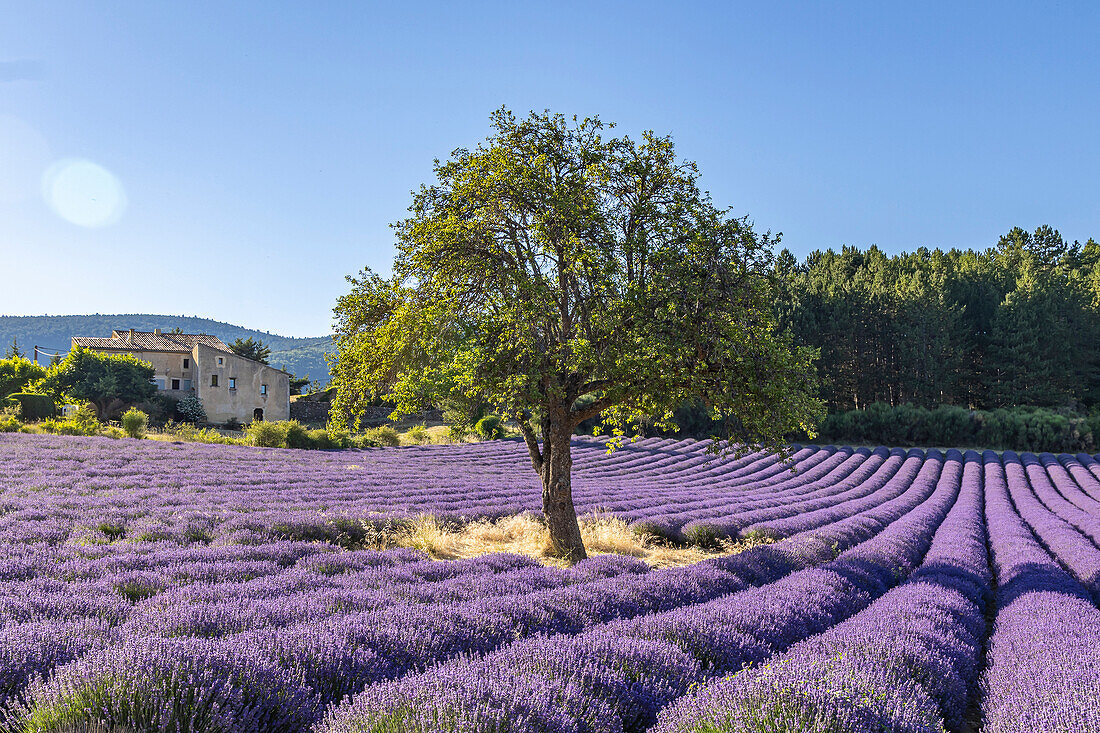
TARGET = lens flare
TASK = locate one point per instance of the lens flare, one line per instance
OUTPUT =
(84, 193)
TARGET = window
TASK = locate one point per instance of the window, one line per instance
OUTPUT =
(220, 361)
(159, 383)
(263, 389)
(175, 384)
(232, 383)
(187, 385)
(213, 380)
(186, 363)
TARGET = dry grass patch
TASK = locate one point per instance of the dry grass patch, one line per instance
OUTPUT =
(525, 534)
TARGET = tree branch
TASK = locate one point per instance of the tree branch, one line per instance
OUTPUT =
(592, 410)
(523, 418)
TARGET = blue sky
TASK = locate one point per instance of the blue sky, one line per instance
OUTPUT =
(244, 157)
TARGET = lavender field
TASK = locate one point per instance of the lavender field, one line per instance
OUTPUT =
(150, 586)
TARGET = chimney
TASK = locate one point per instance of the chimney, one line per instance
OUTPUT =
(156, 332)
(131, 336)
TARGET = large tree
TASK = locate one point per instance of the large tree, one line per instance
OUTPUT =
(108, 381)
(559, 275)
(251, 348)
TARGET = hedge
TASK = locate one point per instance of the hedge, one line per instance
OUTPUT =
(34, 406)
(1017, 428)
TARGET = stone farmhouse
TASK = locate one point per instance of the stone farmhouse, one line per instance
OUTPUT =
(230, 387)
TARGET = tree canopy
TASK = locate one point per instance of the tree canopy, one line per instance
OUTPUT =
(1015, 324)
(558, 274)
(16, 373)
(251, 348)
(108, 381)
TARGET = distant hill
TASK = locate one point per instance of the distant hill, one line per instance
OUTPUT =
(301, 356)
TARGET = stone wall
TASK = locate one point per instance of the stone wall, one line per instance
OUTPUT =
(308, 411)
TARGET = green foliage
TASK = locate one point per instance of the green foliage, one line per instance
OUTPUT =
(297, 384)
(83, 422)
(189, 433)
(14, 352)
(383, 436)
(1016, 324)
(108, 381)
(1021, 428)
(34, 406)
(16, 373)
(286, 434)
(489, 428)
(134, 422)
(190, 409)
(418, 434)
(161, 408)
(250, 348)
(297, 435)
(266, 434)
(551, 263)
(322, 440)
(9, 420)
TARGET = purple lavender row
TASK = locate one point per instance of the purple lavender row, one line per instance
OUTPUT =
(856, 493)
(34, 648)
(1053, 492)
(133, 678)
(782, 522)
(1085, 471)
(1043, 672)
(908, 662)
(208, 612)
(245, 485)
(820, 478)
(686, 497)
(1066, 473)
(853, 477)
(340, 655)
(616, 677)
(1080, 555)
(226, 603)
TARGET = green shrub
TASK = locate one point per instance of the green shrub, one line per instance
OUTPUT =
(35, 406)
(113, 432)
(161, 408)
(9, 423)
(384, 435)
(418, 434)
(134, 422)
(1018, 428)
(267, 434)
(338, 437)
(190, 409)
(458, 433)
(323, 439)
(489, 428)
(83, 422)
(191, 434)
(297, 436)
(362, 441)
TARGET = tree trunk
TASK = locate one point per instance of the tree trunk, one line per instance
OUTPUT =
(557, 490)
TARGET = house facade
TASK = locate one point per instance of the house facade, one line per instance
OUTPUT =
(229, 386)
